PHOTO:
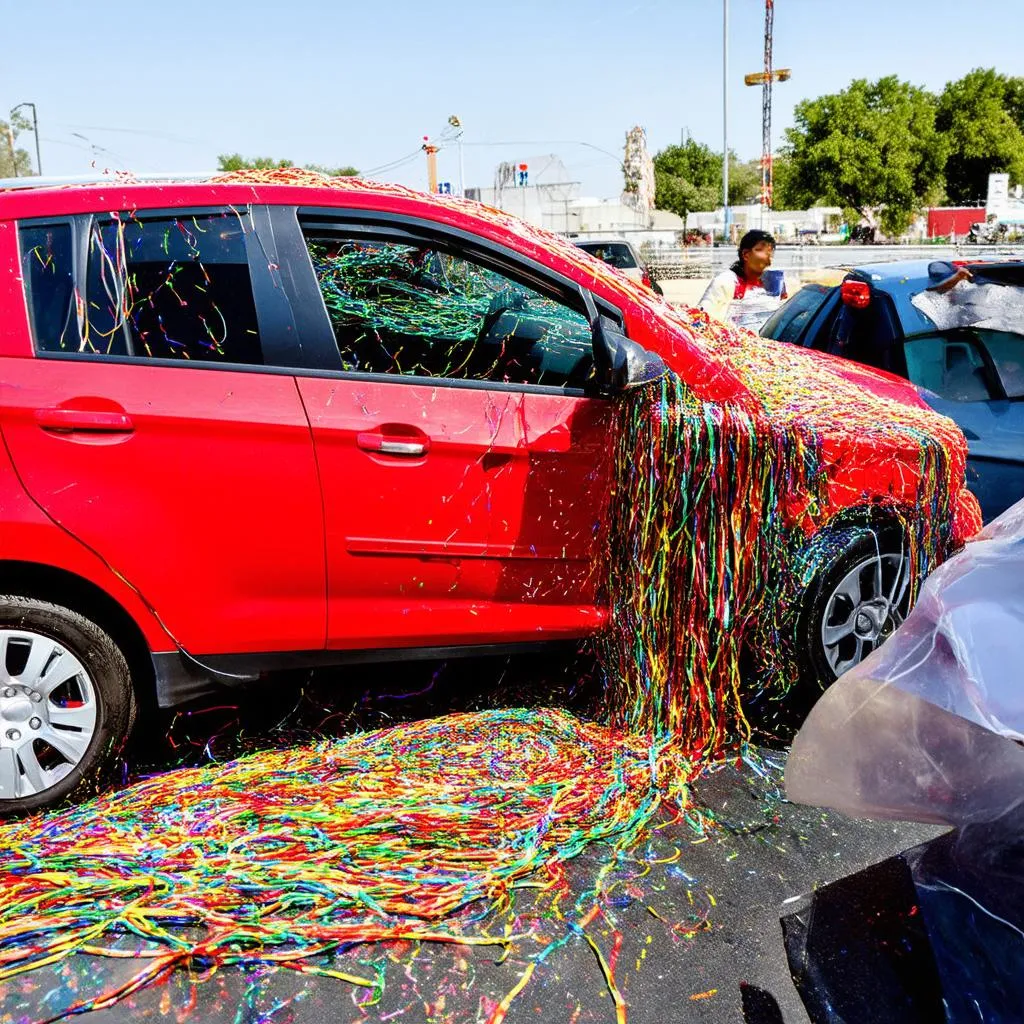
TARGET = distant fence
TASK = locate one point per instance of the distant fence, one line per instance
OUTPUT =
(675, 262)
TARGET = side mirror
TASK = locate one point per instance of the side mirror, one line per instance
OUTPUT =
(622, 364)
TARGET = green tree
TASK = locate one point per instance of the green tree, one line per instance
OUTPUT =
(687, 178)
(744, 181)
(872, 148)
(21, 164)
(982, 118)
(237, 162)
(784, 195)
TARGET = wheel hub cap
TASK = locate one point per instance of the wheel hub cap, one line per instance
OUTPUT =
(16, 709)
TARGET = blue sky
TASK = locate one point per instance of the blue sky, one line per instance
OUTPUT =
(166, 87)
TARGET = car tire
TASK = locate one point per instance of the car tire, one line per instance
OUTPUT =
(859, 594)
(67, 706)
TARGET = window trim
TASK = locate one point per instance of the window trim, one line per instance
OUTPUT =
(287, 371)
(26, 281)
(317, 333)
(274, 316)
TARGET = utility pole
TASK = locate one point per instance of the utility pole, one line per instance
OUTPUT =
(725, 120)
(454, 122)
(35, 132)
(765, 79)
(431, 150)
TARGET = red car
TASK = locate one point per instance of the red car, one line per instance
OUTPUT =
(253, 425)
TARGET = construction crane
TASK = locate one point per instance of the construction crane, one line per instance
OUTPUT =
(765, 79)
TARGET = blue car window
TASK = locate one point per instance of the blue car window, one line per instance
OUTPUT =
(787, 322)
(950, 367)
(1007, 352)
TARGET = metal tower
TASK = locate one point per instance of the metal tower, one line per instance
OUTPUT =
(765, 79)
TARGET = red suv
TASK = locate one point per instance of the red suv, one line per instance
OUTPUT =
(253, 425)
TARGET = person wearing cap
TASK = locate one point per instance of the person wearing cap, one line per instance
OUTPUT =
(747, 292)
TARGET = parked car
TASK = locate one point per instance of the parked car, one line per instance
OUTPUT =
(249, 426)
(963, 347)
(621, 255)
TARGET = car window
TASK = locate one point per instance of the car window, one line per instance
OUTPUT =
(788, 321)
(951, 367)
(615, 254)
(415, 310)
(47, 270)
(1007, 352)
(173, 287)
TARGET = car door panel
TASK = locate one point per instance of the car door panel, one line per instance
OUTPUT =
(198, 487)
(486, 523)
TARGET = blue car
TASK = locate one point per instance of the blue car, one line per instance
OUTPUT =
(954, 329)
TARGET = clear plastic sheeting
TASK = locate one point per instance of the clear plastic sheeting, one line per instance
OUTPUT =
(929, 727)
(998, 306)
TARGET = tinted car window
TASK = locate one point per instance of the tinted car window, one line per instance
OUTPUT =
(787, 322)
(410, 309)
(951, 367)
(615, 254)
(171, 288)
(48, 272)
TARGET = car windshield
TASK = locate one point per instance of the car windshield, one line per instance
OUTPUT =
(995, 303)
(616, 254)
(787, 322)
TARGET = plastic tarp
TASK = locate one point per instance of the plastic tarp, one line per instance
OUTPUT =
(928, 728)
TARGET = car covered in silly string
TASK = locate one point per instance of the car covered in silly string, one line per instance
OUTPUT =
(272, 420)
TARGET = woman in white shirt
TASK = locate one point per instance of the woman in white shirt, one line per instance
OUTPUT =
(747, 292)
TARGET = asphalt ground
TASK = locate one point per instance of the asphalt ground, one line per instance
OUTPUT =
(689, 929)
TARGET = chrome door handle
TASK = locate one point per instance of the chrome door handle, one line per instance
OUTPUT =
(372, 441)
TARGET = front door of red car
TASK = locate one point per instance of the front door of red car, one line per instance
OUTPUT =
(151, 429)
(465, 473)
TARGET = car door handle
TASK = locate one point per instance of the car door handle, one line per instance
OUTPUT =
(93, 421)
(385, 444)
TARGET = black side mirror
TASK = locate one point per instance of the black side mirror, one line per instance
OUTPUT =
(622, 364)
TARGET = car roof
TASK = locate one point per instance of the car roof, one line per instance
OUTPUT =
(903, 279)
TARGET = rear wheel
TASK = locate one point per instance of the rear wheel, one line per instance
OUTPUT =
(66, 705)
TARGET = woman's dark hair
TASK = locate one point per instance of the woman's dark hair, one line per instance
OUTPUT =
(748, 241)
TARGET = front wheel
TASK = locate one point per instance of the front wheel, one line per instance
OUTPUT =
(860, 594)
(66, 704)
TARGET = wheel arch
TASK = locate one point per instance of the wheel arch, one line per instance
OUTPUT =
(59, 586)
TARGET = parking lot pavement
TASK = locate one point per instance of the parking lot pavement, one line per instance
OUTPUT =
(689, 929)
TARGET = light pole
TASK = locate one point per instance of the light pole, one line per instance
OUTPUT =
(725, 120)
(456, 123)
(35, 132)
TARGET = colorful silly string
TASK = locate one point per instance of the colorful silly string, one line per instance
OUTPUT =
(286, 855)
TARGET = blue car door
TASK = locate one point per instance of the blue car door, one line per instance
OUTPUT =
(975, 377)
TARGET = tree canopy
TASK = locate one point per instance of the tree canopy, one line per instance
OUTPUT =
(872, 148)
(687, 178)
(982, 118)
(237, 162)
(21, 166)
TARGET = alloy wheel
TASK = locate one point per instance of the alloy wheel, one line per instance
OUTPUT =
(869, 602)
(48, 712)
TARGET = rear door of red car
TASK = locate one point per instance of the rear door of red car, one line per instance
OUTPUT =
(465, 470)
(154, 426)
